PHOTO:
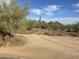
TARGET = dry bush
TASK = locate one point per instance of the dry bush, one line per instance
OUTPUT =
(16, 41)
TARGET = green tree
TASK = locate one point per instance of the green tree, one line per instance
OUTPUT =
(54, 25)
(17, 13)
(11, 14)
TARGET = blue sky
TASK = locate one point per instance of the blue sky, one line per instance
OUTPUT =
(65, 11)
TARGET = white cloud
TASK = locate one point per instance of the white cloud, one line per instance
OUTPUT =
(48, 13)
(36, 11)
(76, 11)
(50, 9)
(65, 20)
(76, 6)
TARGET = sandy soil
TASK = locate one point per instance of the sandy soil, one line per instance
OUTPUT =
(43, 47)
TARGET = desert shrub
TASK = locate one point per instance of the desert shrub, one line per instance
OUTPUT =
(74, 34)
(29, 28)
(4, 33)
(43, 25)
(47, 33)
(55, 25)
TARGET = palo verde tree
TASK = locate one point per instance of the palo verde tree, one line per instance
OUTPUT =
(11, 14)
(17, 13)
(4, 16)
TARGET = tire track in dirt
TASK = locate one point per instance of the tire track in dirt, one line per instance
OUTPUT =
(64, 46)
(44, 47)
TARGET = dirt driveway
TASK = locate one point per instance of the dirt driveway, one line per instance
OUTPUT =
(43, 47)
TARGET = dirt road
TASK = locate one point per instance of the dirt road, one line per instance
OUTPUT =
(43, 47)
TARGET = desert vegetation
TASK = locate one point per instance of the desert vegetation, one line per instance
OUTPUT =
(51, 28)
(13, 20)
(23, 38)
(10, 16)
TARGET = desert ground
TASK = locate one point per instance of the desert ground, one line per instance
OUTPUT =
(43, 47)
